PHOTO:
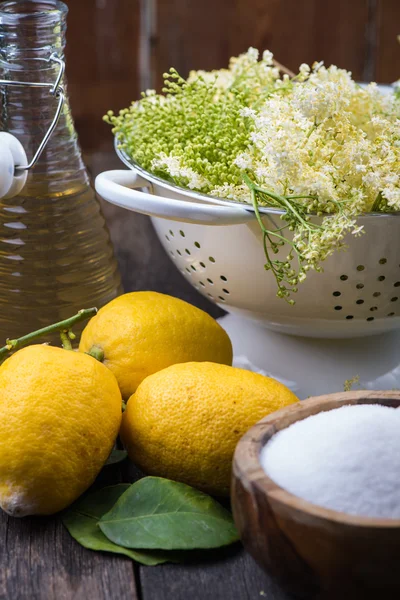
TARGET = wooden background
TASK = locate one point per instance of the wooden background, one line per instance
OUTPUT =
(116, 48)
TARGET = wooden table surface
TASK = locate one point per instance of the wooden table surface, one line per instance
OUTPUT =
(40, 561)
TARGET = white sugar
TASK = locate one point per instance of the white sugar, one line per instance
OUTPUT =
(347, 459)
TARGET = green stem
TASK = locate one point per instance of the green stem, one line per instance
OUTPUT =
(66, 342)
(283, 202)
(265, 233)
(294, 197)
(378, 200)
(61, 326)
(289, 207)
(97, 353)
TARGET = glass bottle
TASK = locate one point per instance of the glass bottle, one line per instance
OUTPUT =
(55, 251)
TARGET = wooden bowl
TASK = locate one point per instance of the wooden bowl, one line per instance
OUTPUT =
(313, 552)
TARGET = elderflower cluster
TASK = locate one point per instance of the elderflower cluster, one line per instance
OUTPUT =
(330, 141)
(317, 143)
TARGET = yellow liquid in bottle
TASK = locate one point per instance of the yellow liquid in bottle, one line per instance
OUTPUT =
(55, 258)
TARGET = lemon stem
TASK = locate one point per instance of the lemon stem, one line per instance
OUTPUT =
(64, 327)
(65, 340)
(97, 353)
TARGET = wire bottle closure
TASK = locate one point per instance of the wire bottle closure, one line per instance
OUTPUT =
(56, 90)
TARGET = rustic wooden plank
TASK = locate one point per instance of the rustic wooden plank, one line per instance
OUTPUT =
(205, 34)
(147, 40)
(388, 47)
(40, 561)
(102, 62)
(234, 575)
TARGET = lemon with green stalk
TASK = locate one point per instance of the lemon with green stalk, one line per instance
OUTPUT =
(60, 413)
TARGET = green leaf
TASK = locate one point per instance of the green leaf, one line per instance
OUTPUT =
(156, 513)
(82, 519)
(116, 456)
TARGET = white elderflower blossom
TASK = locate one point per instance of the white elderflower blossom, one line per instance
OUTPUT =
(304, 69)
(175, 166)
(268, 57)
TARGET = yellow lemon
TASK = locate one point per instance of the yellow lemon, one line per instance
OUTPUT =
(184, 422)
(60, 412)
(143, 332)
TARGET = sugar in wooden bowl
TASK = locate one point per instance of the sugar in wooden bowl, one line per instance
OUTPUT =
(316, 499)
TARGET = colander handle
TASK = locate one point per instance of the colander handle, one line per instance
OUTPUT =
(120, 188)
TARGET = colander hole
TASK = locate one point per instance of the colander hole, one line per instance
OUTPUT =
(221, 298)
(171, 232)
(359, 301)
(182, 233)
(382, 278)
(383, 261)
(197, 245)
(344, 277)
(202, 284)
(167, 238)
(193, 267)
(338, 307)
(391, 314)
(179, 252)
(228, 292)
(373, 308)
(188, 270)
(212, 259)
(337, 294)
(210, 281)
(376, 294)
(202, 265)
(370, 318)
(360, 268)
(394, 299)
(223, 278)
(172, 254)
(397, 284)
(359, 286)
(187, 251)
(210, 295)
(349, 317)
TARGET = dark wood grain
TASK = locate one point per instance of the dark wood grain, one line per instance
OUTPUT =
(102, 63)
(234, 576)
(312, 551)
(40, 561)
(388, 46)
(205, 34)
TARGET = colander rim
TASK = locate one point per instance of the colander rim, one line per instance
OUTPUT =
(207, 198)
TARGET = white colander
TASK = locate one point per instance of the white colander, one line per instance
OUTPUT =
(217, 246)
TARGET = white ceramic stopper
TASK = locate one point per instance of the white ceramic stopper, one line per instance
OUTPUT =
(12, 154)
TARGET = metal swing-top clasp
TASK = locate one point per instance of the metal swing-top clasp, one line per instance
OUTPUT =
(14, 165)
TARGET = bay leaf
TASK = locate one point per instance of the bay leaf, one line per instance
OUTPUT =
(82, 518)
(156, 513)
(116, 456)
